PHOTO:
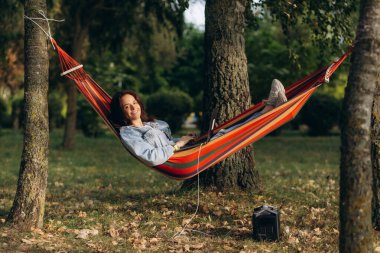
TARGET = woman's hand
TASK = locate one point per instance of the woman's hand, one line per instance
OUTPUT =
(184, 140)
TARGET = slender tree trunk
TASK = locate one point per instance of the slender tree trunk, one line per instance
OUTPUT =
(15, 116)
(376, 153)
(29, 203)
(227, 87)
(356, 170)
(71, 116)
(77, 46)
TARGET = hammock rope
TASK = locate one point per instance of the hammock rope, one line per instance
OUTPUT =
(191, 161)
(47, 33)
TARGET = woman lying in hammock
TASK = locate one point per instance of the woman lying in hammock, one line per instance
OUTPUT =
(150, 139)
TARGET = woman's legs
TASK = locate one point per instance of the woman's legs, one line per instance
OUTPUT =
(226, 130)
(276, 98)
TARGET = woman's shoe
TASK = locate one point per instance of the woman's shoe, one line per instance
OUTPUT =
(275, 88)
(277, 94)
(281, 96)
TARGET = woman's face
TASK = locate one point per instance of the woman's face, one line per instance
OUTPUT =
(130, 107)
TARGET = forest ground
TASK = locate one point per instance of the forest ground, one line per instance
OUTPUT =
(100, 199)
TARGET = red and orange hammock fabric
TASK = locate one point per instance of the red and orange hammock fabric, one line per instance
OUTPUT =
(187, 163)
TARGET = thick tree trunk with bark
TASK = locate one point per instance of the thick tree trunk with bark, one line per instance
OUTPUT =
(29, 203)
(356, 167)
(376, 152)
(227, 88)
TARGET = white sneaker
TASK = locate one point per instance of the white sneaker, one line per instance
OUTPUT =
(277, 94)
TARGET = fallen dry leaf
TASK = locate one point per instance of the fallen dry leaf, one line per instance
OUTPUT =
(85, 233)
(62, 229)
(153, 240)
(139, 243)
(27, 241)
(38, 231)
(185, 221)
(293, 240)
(113, 232)
(317, 231)
(218, 213)
(82, 214)
(226, 247)
(197, 246)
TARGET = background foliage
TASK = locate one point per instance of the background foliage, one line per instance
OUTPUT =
(147, 47)
(171, 106)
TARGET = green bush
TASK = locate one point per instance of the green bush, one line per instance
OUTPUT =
(170, 106)
(321, 114)
(88, 120)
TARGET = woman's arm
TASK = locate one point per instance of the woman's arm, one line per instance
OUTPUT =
(179, 142)
(148, 154)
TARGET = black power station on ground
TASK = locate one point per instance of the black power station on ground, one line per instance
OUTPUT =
(266, 223)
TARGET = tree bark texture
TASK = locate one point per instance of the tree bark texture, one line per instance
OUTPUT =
(376, 151)
(356, 168)
(29, 203)
(227, 88)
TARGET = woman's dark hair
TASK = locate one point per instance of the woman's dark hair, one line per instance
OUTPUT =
(117, 116)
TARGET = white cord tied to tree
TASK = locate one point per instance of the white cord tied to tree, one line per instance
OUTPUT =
(48, 33)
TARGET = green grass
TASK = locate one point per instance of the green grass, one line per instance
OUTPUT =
(100, 187)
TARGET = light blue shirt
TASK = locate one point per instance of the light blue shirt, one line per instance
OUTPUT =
(151, 143)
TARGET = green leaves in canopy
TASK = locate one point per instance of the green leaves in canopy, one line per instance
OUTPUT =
(331, 22)
(115, 21)
(12, 26)
(187, 71)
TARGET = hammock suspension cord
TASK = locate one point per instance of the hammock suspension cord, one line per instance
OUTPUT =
(48, 33)
(196, 210)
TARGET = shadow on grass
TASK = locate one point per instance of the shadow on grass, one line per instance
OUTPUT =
(182, 202)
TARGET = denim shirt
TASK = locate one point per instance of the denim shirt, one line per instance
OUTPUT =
(151, 143)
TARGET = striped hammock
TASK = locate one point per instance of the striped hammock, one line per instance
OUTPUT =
(189, 162)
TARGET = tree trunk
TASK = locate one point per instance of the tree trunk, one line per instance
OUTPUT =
(71, 116)
(376, 154)
(29, 203)
(77, 46)
(356, 169)
(227, 88)
(15, 116)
